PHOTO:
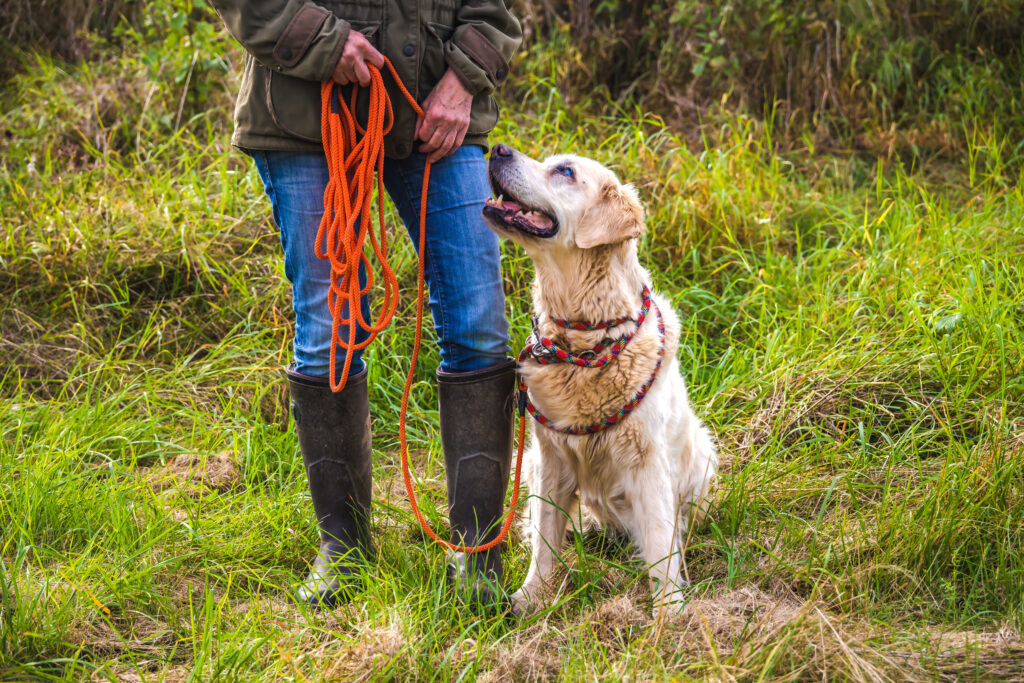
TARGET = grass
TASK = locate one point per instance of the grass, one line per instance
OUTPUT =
(853, 329)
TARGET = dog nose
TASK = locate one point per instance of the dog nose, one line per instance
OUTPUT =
(501, 151)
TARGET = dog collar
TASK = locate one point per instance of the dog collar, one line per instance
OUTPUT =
(551, 353)
(584, 326)
(546, 351)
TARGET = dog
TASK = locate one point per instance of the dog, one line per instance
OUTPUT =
(616, 440)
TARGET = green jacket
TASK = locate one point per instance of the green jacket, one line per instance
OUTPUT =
(293, 45)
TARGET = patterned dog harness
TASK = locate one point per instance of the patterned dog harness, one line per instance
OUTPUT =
(546, 352)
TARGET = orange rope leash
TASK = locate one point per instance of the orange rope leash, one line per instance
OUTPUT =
(354, 153)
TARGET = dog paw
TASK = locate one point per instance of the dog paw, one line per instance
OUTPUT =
(521, 603)
(668, 606)
(672, 601)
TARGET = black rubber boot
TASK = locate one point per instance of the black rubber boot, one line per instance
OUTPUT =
(476, 434)
(334, 436)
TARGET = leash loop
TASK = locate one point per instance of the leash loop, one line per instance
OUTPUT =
(355, 162)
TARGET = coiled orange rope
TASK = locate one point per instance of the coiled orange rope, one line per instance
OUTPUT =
(354, 153)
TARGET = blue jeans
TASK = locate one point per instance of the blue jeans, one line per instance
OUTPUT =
(462, 264)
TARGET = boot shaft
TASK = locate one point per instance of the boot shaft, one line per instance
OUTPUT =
(334, 437)
(476, 413)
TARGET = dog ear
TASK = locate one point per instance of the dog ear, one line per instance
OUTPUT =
(617, 217)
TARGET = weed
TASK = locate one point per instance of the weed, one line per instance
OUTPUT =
(852, 333)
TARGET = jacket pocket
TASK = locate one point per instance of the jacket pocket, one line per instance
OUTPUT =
(369, 29)
(294, 103)
(440, 31)
(484, 115)
(433, 65)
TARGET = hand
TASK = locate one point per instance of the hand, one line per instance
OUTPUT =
(357, 54)
(447, 109)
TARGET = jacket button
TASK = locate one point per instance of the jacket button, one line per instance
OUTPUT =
(409, 50)
(401, 148)
(500, 73)
(286, 53)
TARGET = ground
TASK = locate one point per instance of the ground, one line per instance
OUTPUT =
(852, 333)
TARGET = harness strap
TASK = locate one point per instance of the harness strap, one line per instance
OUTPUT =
(527, 406)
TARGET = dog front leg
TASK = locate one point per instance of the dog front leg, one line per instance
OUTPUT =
(553, 498)
(655, 529)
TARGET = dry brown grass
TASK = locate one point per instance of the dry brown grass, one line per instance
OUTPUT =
(123, 673)
(744, 633)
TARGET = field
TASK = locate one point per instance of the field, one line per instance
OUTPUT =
(853, 335)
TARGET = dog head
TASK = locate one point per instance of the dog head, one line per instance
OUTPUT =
(566, 200)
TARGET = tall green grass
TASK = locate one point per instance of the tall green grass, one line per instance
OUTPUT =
(852, 334)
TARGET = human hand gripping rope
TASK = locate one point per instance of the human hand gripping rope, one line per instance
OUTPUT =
(354, 153)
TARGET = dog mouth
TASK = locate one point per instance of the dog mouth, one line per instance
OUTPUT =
(505, 210)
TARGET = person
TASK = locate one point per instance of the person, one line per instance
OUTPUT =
(451, 56)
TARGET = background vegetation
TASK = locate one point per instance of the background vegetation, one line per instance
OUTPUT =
(834, 205)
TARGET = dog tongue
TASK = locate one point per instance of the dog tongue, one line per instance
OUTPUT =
(535, 219)
(515, 211)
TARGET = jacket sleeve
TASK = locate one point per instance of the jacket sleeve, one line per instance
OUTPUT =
(485, 38)
(294, 37)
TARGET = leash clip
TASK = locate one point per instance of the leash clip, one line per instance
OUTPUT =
(540, 351)
(537, 350)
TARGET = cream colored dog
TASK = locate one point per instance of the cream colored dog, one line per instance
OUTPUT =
(648, 473)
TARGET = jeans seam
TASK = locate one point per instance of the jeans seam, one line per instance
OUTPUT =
(272, 195)
(450, 355)
(270, 176)
(435, 281)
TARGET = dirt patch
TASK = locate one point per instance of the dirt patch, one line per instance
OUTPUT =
(617, 622)
(747, 622)
(369, 655)
(194, 475)
(807, 400)
(999, 654)
(743, 625)
(184, 588)
(730, 616)
(532, 656)
(124, 632)
(375, 648)
(824, 403)
(1006, 637)
(216, 472)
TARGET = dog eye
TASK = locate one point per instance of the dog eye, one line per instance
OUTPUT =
(566, 170)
